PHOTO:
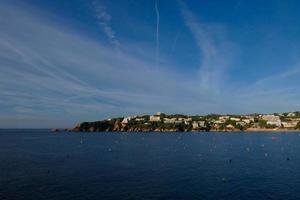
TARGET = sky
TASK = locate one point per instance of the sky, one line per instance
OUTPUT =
(64, 62)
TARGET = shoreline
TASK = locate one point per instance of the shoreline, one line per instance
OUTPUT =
(250, 130)
(161, 122)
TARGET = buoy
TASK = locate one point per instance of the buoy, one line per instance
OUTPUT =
(230, 161)
(287, 158)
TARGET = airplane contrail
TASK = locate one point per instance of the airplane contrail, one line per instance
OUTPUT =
(157, 34)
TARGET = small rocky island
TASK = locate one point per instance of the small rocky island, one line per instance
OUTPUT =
(161, 122)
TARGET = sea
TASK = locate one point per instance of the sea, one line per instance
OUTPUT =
(39, 164)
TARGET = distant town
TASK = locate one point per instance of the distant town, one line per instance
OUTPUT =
(161, 122)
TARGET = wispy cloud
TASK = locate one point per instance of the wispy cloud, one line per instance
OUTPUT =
(216, 51)
(104, 20)
(276, 92)
(217, 54)
(286, 73)
(61, 74)
(57, 76)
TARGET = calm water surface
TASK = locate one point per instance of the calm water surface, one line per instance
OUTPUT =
(37, 164)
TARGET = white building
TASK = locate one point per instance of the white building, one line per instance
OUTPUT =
(291, 114)
(126, 120)
(201, 123)
(154, 118)
(250, 118)
(247, 121)
(219, 121)
(195, 125)
(235, 119)
(139, 119)
(295, 119)
(198, 124)
(272, 120)
(188, 119)
(169, 120)
(270, 117)
(223, 118)
(276, 123)
(291, 124)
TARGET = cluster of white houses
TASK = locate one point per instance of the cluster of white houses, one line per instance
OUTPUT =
(244, 120)
(290, 120)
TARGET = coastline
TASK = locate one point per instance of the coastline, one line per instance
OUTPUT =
(161, 122)
(271, 130)
(248, 131)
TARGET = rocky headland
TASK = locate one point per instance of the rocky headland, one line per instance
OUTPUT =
(161, 122)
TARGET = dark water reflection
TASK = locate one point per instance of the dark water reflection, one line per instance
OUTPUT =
(36, 164)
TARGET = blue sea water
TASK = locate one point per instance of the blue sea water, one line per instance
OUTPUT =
(37, 164)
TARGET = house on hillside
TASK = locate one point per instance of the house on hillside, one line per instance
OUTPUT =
(249, 117)
(126, 120)
(187, 119)
(224, 118)
(291, 114)
(247, 121)
(195, 125)
(241, 123)
(272, 120)
(198, 124)
(291, 124)
(229, 127)
(220, 121)
(201, 124)
(235, 119)
(154, 118)
(169, 120)
(139, 119)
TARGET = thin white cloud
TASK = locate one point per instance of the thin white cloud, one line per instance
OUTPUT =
(104, 20)
(52, 75)
(55, 72)
(269, 94)
(216, 50)
(287, 72)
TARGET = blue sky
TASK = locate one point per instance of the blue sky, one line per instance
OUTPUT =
(63, 62)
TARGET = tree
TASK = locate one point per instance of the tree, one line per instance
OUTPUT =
(262, 123)
(271, 126)
(207, 126)
(240, 127)
(297, 126)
